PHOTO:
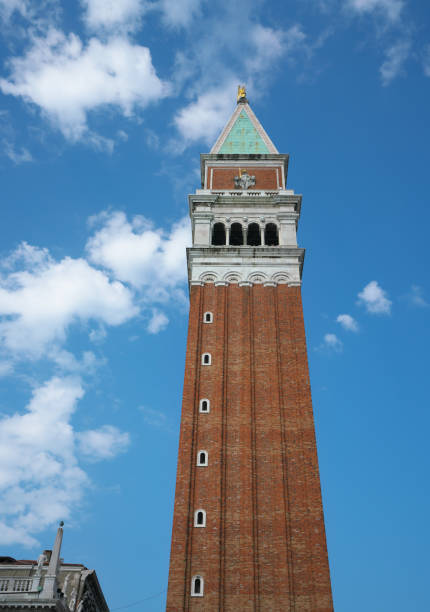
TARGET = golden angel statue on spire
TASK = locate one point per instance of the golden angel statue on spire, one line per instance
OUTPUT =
(241, 92)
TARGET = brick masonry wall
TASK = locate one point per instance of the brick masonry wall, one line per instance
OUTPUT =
(265, 178)
(263, 547)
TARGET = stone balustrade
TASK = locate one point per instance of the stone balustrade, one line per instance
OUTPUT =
(243, 193)
(14, 584)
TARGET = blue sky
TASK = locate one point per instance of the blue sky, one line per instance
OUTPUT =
(104, 109)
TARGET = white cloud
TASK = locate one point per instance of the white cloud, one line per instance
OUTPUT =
(158, 322)
(40, 13)
(205, 118)
(8, 7)
(41, 298)
(154, 418)
(6, 368)
(41, 481)
(113, 14)
(25, 18)
(121, 135)
(136, 253)
(152, 139)
(43, 431)
(391, 9)
(28, 256)
(103, 443)
(126, 15)
(426, 60)
(18, 156)
(416, 297)
(98, 335)
(375, 299)
(262, 48)
(270, 45)
(332, 342)
(396, 56)
(39, 302)
(347, 322)
(179, 13)
(15, 535)
(67, 362)
(67, 80)
(100, 143)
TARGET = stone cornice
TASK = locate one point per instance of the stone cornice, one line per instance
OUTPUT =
(272, 252)
(268, 266)
(275, 200)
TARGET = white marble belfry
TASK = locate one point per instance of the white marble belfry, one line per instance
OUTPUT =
(244, 264)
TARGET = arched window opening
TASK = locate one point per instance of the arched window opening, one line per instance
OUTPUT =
(208, 317)
(202, 458)
(236, 234)
(254, 235)
(200, 518)
(197, 585)
(204, 405)
(271, 235)
(218, 234)
(206, 359)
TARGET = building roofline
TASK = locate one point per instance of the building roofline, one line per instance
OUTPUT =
(24, 562)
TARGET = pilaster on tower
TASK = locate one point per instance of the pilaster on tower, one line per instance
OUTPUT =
(248, 528)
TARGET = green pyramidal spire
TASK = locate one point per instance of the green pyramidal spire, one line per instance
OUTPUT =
(243, 138)
(243, 133)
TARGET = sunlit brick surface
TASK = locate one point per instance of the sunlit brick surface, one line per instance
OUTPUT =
(265, 178)
(263, 547)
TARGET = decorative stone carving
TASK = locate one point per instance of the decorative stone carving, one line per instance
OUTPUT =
(232, 277)
(281, 278)
(244, 181)
(209, 277)
(40, 561)
(72, 600)
(245, 264)
(257, 278)
(88, 602)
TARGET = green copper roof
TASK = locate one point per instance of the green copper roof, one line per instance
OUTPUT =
(243, 138)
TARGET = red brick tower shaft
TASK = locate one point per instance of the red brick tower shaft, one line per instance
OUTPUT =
(248, 530)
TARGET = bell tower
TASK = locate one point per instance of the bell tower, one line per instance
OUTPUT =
(248, 528)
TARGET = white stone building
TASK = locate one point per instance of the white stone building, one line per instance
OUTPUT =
(49, 584)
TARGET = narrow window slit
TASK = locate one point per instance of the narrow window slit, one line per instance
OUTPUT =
(200, 518)
(197, 586)
(206, 359)
(204, 405)
(202, 458)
